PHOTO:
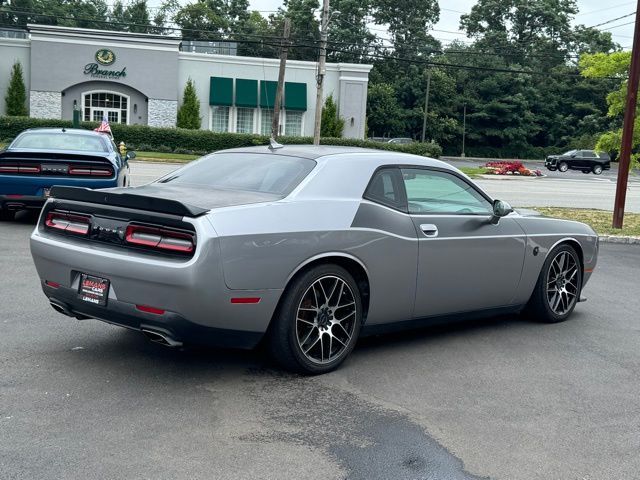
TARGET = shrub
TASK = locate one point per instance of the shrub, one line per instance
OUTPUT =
(332, 124)
(172, 139)
(16, 98)
(189, 111)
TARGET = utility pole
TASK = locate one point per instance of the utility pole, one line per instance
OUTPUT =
(321, 71)
(426, 106)
(627, 128)
(284, 51)
(464, 125)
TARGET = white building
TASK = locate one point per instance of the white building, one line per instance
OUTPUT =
(139, 79)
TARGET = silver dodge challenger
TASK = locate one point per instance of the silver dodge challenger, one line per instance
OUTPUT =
(306, 248)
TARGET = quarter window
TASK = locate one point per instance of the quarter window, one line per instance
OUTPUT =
(386, 188)
(432, 191)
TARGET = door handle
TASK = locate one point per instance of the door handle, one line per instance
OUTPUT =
(429, 229)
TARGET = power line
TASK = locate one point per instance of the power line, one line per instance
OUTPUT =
(613, 20)
(605, 8)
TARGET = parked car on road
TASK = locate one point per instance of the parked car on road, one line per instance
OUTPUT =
(584, 160)
(39, 158)
(401, 140)
(306, 247)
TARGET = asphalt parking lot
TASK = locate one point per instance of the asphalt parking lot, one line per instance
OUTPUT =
(503, 398)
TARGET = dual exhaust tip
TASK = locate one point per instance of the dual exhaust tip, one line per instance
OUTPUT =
(156, 336)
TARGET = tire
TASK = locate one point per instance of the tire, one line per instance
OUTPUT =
(561, 272)
(305, 322)
(597, 169)
(586, 171)
(552, 169)
(563, 167)
(7, 215)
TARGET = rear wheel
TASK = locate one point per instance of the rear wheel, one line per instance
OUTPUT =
(558, 288)
(597, 169)
(563, 166)
(318, 322)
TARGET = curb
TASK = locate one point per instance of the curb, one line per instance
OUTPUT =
(619, 239)
(510, 177)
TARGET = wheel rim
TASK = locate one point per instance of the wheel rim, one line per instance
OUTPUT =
(597, 170)
(326, 319)
(563, 167)
(562, 283)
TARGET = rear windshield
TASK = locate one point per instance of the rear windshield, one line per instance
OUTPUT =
(60, 141)
(265, 173)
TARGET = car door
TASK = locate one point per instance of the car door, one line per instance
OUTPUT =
(465, 261)
(589, 159)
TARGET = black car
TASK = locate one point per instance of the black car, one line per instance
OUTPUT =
(584, 160)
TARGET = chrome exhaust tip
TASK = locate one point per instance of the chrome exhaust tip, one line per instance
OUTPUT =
(161, 338)
(60, 308)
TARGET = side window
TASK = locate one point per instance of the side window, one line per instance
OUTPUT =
(386, 188)
(432, 191)
(578, 154)
(589, 154)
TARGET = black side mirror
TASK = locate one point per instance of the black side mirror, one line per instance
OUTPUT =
(500, 209)
(573, 155)
(131, 155)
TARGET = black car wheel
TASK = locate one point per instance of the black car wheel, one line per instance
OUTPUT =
(318, 321)
(563, 166)
(597, 169)
(559, 285)
(586, 171)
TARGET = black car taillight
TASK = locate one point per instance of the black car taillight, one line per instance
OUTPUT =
(19, 169)
(91, 171)
(68, 222)
(160, 238)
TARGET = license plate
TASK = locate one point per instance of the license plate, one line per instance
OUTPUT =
(94, 290)
(46, 192)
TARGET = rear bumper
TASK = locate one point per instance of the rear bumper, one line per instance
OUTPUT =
(21, 202)
(174, 325)
(196, 302)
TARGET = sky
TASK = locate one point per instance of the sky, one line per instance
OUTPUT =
(592, 12)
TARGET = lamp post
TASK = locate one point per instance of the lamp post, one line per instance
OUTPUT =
(464, 126)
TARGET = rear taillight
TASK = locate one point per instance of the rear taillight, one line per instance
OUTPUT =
(91, 171)
(160, 238)
(68, 222)
(19, 169)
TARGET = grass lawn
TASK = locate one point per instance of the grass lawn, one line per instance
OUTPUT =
(165, 157)
(473, 172)
(600, 220)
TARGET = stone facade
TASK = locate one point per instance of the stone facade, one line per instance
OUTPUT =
(45, 104)
(162, 113)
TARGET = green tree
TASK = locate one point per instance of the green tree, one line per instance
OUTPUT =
(349, 37)
(332, 123)
(614, 65)
(305, 27)
(384, 114)
(189, 111)
(16, 98)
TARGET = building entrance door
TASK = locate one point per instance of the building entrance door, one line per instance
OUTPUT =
(99, 104)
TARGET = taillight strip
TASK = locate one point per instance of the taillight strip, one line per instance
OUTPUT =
(65, 222)
(160, 238)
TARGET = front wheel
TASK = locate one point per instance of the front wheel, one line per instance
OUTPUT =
(586, 171)
(597, 169)
(563, 166)
(552, 169)
(318, 321)
(559, 285)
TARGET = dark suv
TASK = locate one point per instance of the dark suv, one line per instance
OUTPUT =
(585, 160)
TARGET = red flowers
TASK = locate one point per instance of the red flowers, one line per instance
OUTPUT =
(511, 168)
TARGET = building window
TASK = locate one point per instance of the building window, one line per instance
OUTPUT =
(220, 119)
(266, 119)
(244, 120)
(293, 123)
(97, 105)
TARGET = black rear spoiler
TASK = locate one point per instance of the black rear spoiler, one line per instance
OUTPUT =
(127, 200)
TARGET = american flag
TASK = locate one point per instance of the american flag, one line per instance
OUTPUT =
(104, 126)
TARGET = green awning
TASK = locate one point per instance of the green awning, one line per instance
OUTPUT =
(268, 93)
(246, 93)
(295, 96)
(221, 91)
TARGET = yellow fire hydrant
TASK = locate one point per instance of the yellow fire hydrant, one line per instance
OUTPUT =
(123, 149)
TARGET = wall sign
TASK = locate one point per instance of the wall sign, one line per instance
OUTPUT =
(104, 57)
